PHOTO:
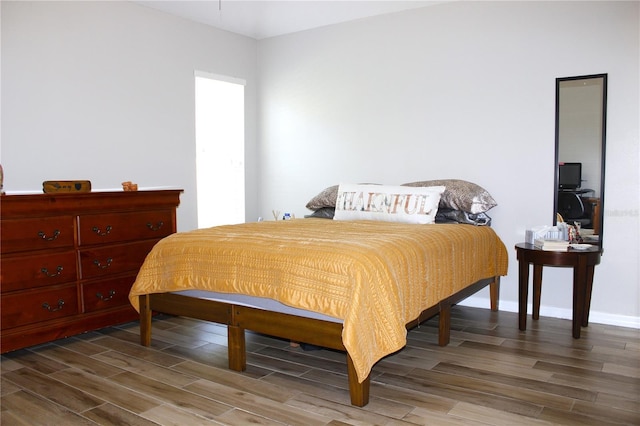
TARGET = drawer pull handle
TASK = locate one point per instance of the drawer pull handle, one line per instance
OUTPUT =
(55, 274)
(106, 298)
(49, 308)
(55, 235)
(99, 231)
(100, 265)
(156, 227)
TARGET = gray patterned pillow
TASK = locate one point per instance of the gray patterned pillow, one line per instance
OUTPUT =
(323, 213)
(326, 198)
(461, 195)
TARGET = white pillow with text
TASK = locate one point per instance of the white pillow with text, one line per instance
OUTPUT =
(388, 203)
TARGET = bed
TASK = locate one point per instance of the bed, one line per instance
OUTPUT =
(352, 285)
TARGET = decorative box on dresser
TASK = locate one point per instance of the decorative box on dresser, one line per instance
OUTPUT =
(68, 260)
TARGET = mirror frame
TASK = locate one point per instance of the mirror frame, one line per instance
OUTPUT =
(602, 146)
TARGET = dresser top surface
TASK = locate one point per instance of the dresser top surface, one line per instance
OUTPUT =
(37, 205)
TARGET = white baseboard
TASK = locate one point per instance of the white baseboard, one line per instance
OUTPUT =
(594, 317)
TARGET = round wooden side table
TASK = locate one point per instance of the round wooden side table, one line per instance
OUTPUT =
(583, 263)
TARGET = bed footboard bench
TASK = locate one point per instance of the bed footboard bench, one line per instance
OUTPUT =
(239, 318)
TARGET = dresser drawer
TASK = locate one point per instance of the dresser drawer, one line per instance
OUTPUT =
(119, 227)
(114, 259)
(36, 234)
(106, 294)
(44, 304)
(42, 269)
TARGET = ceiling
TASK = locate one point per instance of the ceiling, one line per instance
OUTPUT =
(261, 19)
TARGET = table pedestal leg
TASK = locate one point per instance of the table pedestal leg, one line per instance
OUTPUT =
(587, 298)
(523, 289)
(537, 290)
(579, 294)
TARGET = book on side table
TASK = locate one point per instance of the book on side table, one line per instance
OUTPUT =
(551, 245)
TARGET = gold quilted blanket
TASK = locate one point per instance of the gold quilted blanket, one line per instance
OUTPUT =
(375, 276)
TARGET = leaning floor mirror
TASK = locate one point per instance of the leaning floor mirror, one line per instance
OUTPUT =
(581, 121)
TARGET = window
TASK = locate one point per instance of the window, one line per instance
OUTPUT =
(219, 120)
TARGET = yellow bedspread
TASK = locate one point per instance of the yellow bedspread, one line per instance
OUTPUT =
(375, 276)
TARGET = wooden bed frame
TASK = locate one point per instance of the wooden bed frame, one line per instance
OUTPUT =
(239, 318)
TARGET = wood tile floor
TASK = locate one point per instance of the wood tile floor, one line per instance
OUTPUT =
(491, 373)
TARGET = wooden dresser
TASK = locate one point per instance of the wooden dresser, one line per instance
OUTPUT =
(68, 260)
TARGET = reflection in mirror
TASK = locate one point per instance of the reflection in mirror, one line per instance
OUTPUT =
(581, 117)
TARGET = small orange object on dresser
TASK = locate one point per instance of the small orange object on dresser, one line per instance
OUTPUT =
(129, 186)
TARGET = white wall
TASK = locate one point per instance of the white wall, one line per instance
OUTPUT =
(105, 91)
(461, 90)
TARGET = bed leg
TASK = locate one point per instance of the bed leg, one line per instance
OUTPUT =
(359, 392)
(494, 291)
(145, 320)
(237, 348)
(444, 324)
